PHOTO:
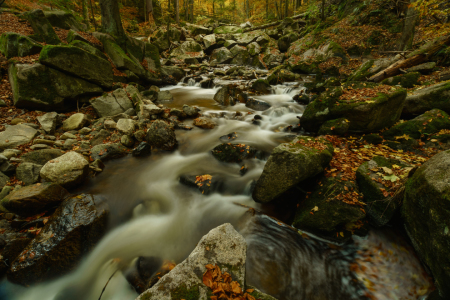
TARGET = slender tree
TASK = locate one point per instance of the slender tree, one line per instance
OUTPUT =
(409, 25)
(177, 11)
(286, 7)
(84, 6)
(111, 22)
(191, 8)
(149, 11)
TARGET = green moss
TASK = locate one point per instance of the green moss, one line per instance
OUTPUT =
(362, 73)
(182, 292)
(146, 296)
(408, 80)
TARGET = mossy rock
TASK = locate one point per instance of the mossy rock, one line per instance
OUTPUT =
(121, 60)
(152, 57)
(380, 209)
(14, 44)
(373, 138)
(42, 27)
(261, 85)
(89, 48)
(323, 211)
(426, 214)
(63, 20)
(77, 62)
(408, 80)
(364, 116)
(228, 29)
(422, 100)
(426, 124)
(334, 127)
(234, 152)
(291, 163)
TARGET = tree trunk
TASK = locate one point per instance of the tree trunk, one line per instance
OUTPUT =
(409, 25)
(111, 22)
(323, 10)
(246, 9)
(177, 12)
(278, 11)
(213, 12)
(84, 6)
(267, 9)
(286, 8)
(192, 11)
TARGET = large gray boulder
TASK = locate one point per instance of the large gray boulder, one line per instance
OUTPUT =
(16, 135)
(160, 37)
(79, 63)
(105, 152)
(41, 157)
(34, 199)
(244, 39)
(161, 135)
(28, 173)
(174, 71)
(197, 29)
(223, 247)
(209, 41)
(14, 44)
(290, 164)
(426, 213)
(73, 230)
(74, 122)
(221, 55)
(68, 170)
(42, 27)
(40, 87)
(188, 49)
(63, 20)
(225, 96)
(434, 96)
(122, 60)
(112, 104)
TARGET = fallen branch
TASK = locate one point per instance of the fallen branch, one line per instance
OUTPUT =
(415, 58)
(276, 23)
(107, 284)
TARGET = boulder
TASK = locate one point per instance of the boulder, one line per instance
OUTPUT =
(324, 211)
(161, 135)
(209, 40)
(16, 135)
(112, 104)
(204, 123)
(39, 87)
(188, 49)
(272, 57)
(121, 60)
(434, 96)
(63, 20)
(225, 95)
(426, 124)
(223, 247)
(378, 180)
(14, 44)
(105, 152)
(28, 173)
(48, 122)
(143, 149)
(126, 126)
(371, 67)
(408, 80)
(190, 111)
(334, 127)
(88, 48)
(75, 122)
(68, 170)
(254, 48)
(161, 40)
(3, 180)
(234, 153)
(34, 199)
(257, 104)
(197, 29)
(173, 71)
(425, 68)
(221, 55)
(151, 55)
(241, 56)
(165, 96)
(426, 215)
(73, 230)
(73, 35)
(41, 157)
(79, 63)
(261, 85)
(227, 29)
(42, 27)
(285, 41)
(290, 164)
(229, 44)
(246, 38)
(364, 115)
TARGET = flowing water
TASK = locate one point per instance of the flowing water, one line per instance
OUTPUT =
(152, 214)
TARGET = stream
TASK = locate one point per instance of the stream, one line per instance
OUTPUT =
(153, 214)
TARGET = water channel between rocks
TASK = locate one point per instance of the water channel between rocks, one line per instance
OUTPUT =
(152, 214)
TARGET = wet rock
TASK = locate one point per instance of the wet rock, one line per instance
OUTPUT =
(63, 20)
(41, 157)
(162, 136)
(290, 164)
(221, 56)
(225, 96)
(206, 184)
(165, 96)
(143, 149)
(324, 211)
(74, 229)
(147, 110)
(364, 116)
(127, 140)
(42, 27)
(426, 215)
(28, 173)
(334, 127)
(14, 245)
(257, 104)
(75, 122)
(106, 152)
(204, 123)
(229, 137)
(34, 199)
(79, 63)
(68, 170)
(425, 68)
(222, 246)
(48, 121)
(40, 87)
(234, 152)
(431, 97)
(173, 71)
(126, 126)
(3, 180)
(380, 208)
(261, 85)
(16, 135)
(112, 104)
(97, 165)
(190, 111)
(426, 124)
(16, 45)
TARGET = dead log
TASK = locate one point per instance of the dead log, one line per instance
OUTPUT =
(415, 58)
(302, 22)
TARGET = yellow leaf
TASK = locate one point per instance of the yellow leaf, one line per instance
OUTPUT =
(341, 233)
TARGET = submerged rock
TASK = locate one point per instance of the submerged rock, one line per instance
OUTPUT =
(234, 152)
(426, 215)
(223, 247)
(291, 163)
(34, 199)
(204, 123)
(74, 229)
(257, 104)
(225, 95)
(143, 149)
(206, 184)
